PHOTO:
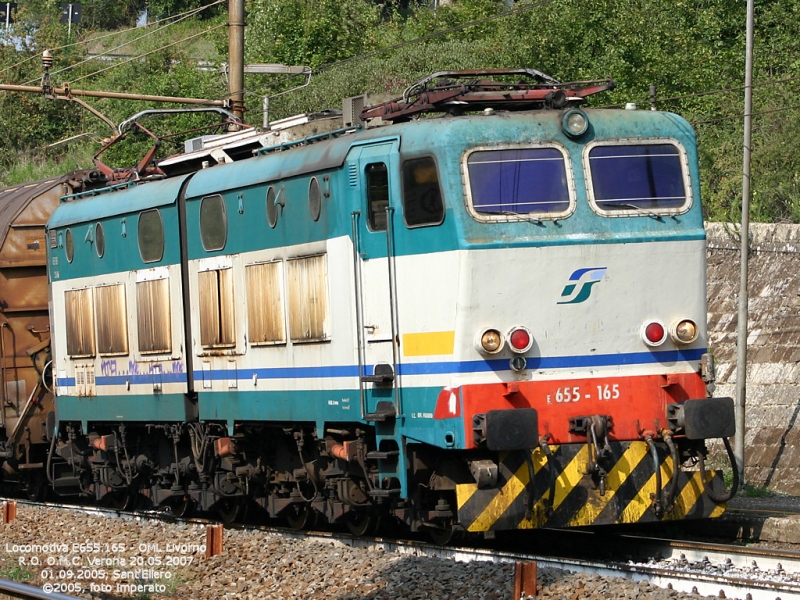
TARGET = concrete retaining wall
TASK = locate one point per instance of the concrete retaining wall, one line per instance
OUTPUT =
(772, 439)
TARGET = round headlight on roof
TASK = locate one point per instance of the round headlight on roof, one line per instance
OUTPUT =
(574, 122)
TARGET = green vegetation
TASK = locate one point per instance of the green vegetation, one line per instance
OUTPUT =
(692, 51)
(748, 491)
(756, 492)
(15, 572)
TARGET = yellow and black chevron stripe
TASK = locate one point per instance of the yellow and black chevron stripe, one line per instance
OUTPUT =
(629, 490)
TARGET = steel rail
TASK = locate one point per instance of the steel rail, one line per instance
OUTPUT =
(696, 567)
(12, 589)
(737, 556)
(704, 583)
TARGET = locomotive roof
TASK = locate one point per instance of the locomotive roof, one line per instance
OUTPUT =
(330, 152)
(103, 205)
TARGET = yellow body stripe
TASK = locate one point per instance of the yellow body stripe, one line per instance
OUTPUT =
(635, 453)
(428, 343)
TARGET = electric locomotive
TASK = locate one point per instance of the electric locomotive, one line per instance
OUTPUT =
(476, 308)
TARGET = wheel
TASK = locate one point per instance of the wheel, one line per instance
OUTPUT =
(230, 511)
(444, 536)
(181, 506)
(35, 487)
(119, 500)
(362, 522)
(301, 516)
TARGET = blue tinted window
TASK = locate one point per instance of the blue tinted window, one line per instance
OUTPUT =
(647, 176)
(519, 181)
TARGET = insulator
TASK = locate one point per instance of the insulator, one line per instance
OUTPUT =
(47, 59)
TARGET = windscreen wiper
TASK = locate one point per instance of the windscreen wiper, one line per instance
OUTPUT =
(639, 209)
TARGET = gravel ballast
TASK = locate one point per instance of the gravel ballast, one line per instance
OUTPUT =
(100, 557)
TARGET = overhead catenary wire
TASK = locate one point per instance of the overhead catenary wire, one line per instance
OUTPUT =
(520, 9)
(736, 88)
(186, 15)
(527, 7)
(427, 37)
(133, 58)
(433, 35)
(740, 115)
(88, 41)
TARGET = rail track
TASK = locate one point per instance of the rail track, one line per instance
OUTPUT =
(12, 589)
(718, 570)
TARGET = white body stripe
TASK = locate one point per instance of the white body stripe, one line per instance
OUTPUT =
(458, 293)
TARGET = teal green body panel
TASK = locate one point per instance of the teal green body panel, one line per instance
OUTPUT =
(244, 186)
(141, 408)
(118, 212)
(142, 196)
(333, 406)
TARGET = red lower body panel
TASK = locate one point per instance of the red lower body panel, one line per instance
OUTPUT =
(634, 403)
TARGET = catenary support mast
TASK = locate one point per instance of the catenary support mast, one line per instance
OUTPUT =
(236, 56)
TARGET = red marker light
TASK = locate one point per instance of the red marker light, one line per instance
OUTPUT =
(654, 333)
(520, 339)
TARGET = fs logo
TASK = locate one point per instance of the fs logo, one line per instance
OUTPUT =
(580, 284)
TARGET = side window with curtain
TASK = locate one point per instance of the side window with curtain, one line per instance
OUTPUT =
(112, 319)
(265, 321)
(308, 298)
(422, 193)
(153, 316)
(79, 308)
(216, 308)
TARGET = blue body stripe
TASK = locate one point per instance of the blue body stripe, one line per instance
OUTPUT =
(139, 379)
(430, 368)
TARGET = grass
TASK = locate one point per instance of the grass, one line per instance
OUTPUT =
(748, 491)
(16, 573)
(751, 491)
(32, 169)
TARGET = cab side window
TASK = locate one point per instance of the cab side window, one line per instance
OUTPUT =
(377, 195)
(422, 194)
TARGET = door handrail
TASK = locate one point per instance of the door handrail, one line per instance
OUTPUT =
(392, 303)
(354, 216)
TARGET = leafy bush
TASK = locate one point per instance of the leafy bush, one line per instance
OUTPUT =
(692, 51)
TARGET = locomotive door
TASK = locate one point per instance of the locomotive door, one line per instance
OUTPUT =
(373, 171)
